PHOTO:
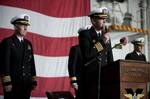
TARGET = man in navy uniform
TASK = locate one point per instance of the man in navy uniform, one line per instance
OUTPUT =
(18, 67)
(96, 51)
(137, 52)
(74, 68)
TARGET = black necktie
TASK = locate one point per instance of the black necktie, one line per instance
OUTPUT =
(22, 42)
(99, 34)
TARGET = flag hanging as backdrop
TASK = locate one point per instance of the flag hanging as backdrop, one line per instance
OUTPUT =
(53, 30)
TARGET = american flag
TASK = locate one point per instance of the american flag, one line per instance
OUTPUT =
(53, 30)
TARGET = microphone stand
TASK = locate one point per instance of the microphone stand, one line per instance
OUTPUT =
(99, 59)
(99, 74)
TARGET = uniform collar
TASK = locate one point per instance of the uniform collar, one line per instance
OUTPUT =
(98, 31)
(20, 38)
(138, 53)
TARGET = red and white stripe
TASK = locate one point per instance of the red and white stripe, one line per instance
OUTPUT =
(55, 25)
(53, 30)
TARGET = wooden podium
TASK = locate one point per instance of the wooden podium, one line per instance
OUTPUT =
(123, 76)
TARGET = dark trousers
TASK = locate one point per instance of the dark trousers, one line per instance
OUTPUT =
(19, 92)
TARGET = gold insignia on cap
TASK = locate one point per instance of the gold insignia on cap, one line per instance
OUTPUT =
(104, 11)
(26, 17)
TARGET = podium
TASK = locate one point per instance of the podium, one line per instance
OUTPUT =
(123, 77)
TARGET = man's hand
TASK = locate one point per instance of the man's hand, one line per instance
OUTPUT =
(34, 87)
(8, 88)
(34, 84)
(106, 38)
(75, 86)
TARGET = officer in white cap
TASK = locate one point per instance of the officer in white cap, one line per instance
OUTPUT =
(99, 13)
(93, 43)
(18, 67)
(137, 52)
(21, 19)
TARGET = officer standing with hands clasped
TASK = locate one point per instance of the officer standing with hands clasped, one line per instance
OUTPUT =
(18, 67)
(96, 52)
(137, 52)
(74, 68)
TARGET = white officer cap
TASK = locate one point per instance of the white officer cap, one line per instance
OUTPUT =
(139, 41)
(99, 13)
(21, 19)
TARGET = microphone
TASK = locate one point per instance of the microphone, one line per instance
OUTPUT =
(123, 42)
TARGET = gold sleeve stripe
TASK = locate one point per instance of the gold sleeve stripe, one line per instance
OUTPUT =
(34, 78)
(6, 79)
(73, 78)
